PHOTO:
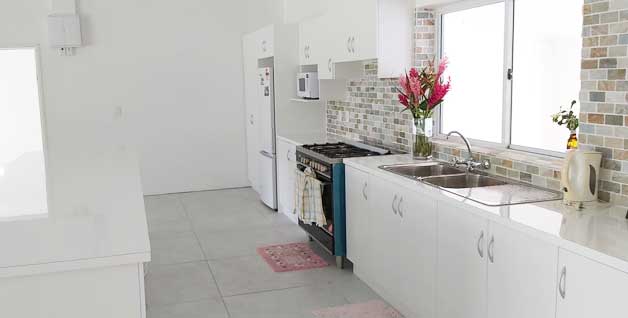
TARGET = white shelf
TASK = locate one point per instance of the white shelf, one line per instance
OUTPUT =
(309, 101)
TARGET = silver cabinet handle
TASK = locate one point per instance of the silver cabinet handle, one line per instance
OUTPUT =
(264, 46)
(349, 44)
(399, 207)
(480, 244)
(329, 65)
(364, 191)
(491, 244)
(267, 154)
(562, 283)
(353, 44)
(251, 119)
(288, 154)
(393, 205)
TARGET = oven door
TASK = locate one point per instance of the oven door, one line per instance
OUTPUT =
(323, 234)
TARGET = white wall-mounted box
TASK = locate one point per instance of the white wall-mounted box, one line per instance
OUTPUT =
(64, 30)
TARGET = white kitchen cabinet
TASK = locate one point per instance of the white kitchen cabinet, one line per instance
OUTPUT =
(264, 42)
(358, 217)
(417, 250)
(587, 288)
(286, 178)
(521, 275)
(462, 269)
(356, 30)
(384, 228)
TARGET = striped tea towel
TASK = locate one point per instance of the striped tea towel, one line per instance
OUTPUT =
(308, 198)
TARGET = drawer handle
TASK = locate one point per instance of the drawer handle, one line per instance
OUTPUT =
(288, 154)
(562, 283)
(399, 207)
(491, 245)
(364, 191)
(480, 244)
(393, 205)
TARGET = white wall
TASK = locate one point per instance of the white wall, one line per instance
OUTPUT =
(164, 75)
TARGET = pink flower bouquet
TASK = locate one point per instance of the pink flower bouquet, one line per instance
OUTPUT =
(422, 90)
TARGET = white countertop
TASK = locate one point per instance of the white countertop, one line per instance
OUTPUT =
(599, 231)
(96, 217)
(303, 138)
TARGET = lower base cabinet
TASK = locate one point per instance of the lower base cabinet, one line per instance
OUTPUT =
(462, 269)
(286, 178)
(588, 289)
(439, 258)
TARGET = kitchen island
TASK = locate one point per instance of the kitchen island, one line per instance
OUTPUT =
(84, 255)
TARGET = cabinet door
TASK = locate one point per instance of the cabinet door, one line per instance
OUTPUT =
(265, 41)
(384, 227)
(521, 275)
(417, 265)
(308, 31)
(250, 52)
(590, 289)
(362, 31)
(286, 178)
(358, 215)
(462, 269)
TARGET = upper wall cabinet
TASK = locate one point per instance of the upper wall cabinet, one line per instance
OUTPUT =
(265, 42)
(355, 30)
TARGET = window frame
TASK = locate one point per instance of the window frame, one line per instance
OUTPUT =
(42, 118)
(509, 32)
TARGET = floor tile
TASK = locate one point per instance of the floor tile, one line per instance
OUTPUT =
(212, 308)
(234, 243)
(166, 213)
(175, 247)
(250, 274)
(174, 284)
(286, 303)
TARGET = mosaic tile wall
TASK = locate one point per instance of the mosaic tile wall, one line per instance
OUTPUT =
(604, 98)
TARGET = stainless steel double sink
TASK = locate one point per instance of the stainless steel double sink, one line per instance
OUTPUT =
(479, 187)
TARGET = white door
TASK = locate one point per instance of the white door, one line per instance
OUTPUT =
(417, 290)
(286, 178)
(521, 275)
(589, 289)
(462, 269)
(251, 84)
(384, 227)
(358, 215)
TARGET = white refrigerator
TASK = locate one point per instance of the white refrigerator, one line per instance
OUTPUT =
(267, 162)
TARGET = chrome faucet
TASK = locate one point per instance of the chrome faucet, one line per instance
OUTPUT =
(469, 161)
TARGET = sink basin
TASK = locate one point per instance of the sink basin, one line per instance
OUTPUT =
(419, 171)
(464, 181)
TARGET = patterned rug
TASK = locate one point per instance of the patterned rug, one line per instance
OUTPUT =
(291, 257)
(371, 309)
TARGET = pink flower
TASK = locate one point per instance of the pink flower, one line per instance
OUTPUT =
(404, 83)
(438, 93)
(415, 87)
(414, 73)
(404, 100)
(442, 66)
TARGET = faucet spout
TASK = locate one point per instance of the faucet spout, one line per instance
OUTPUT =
(466, 142)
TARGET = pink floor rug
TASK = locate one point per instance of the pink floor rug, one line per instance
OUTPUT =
(371, 309)
(291, 257)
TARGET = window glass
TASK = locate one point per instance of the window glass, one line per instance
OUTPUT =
(546, 65)
(473, 41)
(22, 164)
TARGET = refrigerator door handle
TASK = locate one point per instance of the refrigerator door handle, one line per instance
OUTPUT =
(267, 154)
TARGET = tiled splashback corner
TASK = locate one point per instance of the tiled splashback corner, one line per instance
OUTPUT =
(370, 112)
(604, 98)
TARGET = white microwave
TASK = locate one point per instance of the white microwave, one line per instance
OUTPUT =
(307, 85)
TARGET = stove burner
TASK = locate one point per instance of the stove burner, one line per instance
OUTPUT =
(340, 150)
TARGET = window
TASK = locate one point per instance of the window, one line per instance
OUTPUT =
(22, 164)
(485, 42)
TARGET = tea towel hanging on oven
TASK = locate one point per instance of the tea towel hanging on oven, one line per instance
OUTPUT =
(308, 198)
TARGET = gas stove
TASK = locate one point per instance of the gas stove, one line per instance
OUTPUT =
(326, 161)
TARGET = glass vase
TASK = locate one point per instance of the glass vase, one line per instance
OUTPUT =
(572, 143)
(421, 134)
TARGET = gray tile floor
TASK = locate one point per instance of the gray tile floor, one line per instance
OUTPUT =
(204, 261)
